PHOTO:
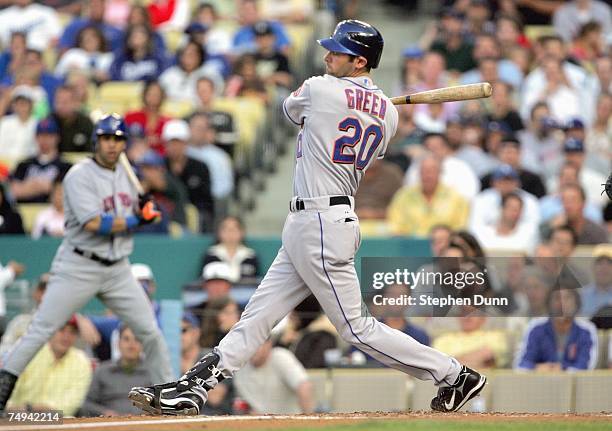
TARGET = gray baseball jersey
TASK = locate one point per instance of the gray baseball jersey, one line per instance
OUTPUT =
(91, 190)
(346, 124)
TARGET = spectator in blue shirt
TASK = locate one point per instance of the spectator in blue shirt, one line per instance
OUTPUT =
(139, 59)
(244, 38)
(95, 17)
(559, 342)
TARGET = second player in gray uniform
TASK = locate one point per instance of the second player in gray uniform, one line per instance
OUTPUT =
(102, 209)
(346, 123)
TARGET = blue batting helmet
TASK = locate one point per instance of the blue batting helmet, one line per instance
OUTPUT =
(112, 124)
(358, 38)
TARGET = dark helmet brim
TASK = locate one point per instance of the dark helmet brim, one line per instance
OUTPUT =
(332, 45)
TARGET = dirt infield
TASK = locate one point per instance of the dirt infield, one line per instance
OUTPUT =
(201, 423)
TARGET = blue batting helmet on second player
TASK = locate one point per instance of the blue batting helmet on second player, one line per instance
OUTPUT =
(112, 124)
(358, 38)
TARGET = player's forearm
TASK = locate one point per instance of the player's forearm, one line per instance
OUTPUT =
(100, 225)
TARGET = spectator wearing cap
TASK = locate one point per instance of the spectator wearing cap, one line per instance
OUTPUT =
(229, 248)
(540, 142)
(222, 122)
(198, 32)
(589, 179)
(193, 174)
(508, 234)
(170, 194)
(551, 205)
(217, 281)
(487, 205)
(573, 199)
(75, 128)
(569, 18)
(57, 378)
(14, 56)
(455, 172)
(415, 209)
(33, 178)
(410, 73)
(112, 379)
(598, 294)
(452, 44)
(202, 148)
(502, 107)
(599, 136)
(487, 48)
(41, 22)
(218, 39)
(17, 130)
(192, 63)
(94, 16)
(149, 120)
(273, 64)
(244, 37)
(509, 153)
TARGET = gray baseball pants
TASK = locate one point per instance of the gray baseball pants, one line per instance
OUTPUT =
(317, 256)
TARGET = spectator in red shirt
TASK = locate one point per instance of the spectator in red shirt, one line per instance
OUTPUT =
(149, 120)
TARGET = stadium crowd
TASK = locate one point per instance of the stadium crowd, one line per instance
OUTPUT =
(517, 176)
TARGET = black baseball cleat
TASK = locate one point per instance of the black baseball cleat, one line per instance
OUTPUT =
(452, 398)
(7, 384)
(187, 396)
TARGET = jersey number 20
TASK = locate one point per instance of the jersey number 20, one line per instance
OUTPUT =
(369, 139)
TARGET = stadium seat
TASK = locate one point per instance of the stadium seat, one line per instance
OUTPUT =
(603, 345)
(193, 218)
(531, 392)
(119, 95)
(377, 390)
(75, 158)
(593, 392)
(534, 31)
(177, 109)
(28, 213)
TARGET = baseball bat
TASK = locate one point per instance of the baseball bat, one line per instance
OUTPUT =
(446, 94)
(130, 173)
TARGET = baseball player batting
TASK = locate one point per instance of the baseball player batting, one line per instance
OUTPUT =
(102, 209)
(346, 123)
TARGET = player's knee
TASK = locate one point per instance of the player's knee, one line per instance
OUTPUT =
(356, 330)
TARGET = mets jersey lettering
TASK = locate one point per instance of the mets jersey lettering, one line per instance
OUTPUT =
(346, 124)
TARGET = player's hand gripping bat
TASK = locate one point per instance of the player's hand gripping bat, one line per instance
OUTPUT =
(446, 94)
